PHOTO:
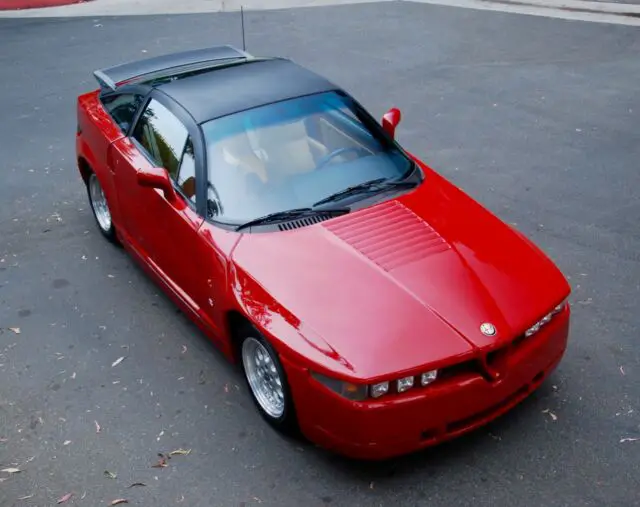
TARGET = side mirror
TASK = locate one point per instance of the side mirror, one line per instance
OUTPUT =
(390, 121)
(157, 177)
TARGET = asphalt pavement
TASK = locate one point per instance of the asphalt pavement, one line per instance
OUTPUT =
(536, 118)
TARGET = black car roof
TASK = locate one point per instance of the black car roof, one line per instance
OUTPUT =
(251, 83)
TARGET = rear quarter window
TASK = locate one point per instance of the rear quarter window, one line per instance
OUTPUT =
(122, 108)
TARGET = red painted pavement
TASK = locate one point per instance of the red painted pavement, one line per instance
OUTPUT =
(10, 5)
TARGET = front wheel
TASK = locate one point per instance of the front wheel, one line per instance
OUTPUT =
(100, 208)
(267, 381)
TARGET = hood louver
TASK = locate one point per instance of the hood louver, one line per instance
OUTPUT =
(390, 234)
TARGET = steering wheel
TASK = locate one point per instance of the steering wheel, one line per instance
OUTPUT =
(340, 151)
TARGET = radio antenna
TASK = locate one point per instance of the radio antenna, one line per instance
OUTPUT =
(244, 47)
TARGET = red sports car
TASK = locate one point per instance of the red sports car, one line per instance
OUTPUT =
(371, 304)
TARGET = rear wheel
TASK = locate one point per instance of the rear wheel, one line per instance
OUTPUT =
(100, 208)
(267, 380)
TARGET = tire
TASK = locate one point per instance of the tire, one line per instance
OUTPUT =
(262, 370)
(100, 208)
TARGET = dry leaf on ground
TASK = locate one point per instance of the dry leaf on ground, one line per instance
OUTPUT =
(117, 361)
(65, 498)
(180, 452)
(162, 463)
(136, 484)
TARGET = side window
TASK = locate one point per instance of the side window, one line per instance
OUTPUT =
(163, 136)
(122, 108)
(167, 141)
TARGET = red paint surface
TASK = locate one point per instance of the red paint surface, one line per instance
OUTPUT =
(9, 5)
(381, 293)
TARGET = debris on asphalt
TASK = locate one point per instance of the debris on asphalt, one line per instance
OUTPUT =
(110, 475)
(16, 330)
(117, 361)
(26, 497)
(553, 416)
(180, 452)
(11, 470)
(184, 349)
(65, 498)
(629, 439)
(162, 462)
(160, 435)
(97, 426)
(622, 370)
(66, 442)
(119, 501)
(135, 484)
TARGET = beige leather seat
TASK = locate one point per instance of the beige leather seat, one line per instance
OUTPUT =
(236, 153)
(288, 148)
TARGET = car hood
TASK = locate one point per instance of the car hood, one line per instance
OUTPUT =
(407, 282)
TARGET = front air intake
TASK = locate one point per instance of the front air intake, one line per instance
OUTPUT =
(304, 222)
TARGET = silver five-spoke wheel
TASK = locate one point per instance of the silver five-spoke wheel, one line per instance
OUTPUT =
(263, 377)
(99, 204)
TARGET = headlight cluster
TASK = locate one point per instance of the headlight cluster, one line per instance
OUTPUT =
(545, 320)
(403, 384)
(360, 392)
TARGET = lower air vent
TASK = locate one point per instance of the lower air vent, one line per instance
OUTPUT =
(303, 222)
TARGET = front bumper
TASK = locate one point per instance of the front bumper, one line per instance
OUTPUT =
(401, 424)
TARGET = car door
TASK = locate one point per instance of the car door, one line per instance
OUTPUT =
(165, 234)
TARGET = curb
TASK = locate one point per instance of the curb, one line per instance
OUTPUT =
(18, 5)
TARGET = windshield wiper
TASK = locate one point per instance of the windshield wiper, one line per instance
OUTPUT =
(377, 185)
(282, 216)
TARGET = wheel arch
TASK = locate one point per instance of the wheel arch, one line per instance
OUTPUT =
(85, 168)
(235, 320)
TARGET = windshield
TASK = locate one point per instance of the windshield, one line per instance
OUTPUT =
(294, 153)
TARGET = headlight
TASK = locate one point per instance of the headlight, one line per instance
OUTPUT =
(545, 320)
(560, 307)
(404, 384)
(428, 377)
(360, 392)
(379, 389)
(354, 392)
